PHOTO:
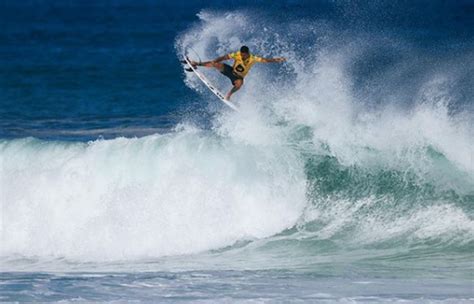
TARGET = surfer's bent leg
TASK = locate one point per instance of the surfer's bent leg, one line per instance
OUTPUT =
(237, 85)
(209, 64)
(219, 66)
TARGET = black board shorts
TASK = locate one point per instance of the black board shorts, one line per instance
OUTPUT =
(227, 71)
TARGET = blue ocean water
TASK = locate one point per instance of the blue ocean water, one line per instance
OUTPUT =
(347, 176)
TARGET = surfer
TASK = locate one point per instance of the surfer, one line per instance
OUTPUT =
(243, 61)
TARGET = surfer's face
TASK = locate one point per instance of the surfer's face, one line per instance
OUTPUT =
(245, 56)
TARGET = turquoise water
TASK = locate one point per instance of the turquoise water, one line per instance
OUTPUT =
(347, 176)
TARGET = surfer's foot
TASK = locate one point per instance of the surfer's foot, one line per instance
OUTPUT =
(194, 64)
(227, 97)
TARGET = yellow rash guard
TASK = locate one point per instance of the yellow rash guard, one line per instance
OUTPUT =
(241, 67)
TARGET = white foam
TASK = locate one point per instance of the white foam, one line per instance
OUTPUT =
(373, 220)
(159, 195)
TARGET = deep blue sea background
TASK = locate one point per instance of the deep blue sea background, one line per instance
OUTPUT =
(346, 177)
(90, 64)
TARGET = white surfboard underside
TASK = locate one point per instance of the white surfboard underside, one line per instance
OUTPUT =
(211, 86)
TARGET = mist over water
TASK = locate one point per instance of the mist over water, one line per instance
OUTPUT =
(355, 158)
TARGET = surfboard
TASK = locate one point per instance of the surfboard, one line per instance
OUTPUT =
(210, 86)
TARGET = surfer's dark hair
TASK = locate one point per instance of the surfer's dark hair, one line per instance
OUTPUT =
(244, 49)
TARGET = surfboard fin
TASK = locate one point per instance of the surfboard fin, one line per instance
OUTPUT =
(189, 70)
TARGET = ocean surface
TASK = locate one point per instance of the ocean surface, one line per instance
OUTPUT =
(346, 177)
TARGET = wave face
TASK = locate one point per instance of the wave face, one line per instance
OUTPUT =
(359, 149)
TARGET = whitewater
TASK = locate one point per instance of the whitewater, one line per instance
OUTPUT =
(328, 176)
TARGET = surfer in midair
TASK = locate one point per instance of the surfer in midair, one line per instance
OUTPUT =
(243, 61)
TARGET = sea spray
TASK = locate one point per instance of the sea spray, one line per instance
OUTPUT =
(377, 171)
